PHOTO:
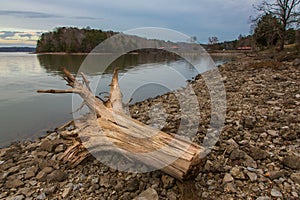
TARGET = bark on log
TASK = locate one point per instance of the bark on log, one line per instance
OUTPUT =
(134, 139)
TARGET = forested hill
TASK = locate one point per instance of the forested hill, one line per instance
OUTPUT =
(71, 40)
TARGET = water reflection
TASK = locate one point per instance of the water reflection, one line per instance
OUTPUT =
(135, 69)
(54, 62)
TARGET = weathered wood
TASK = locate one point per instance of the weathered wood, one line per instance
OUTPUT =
(114, 131)
(115, 95)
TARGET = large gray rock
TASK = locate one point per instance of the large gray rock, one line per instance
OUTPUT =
(14, 183)
(149, 194)
(275, 174)
(257, 153)
(252, 176)
(47, 170)
(296, 177)
(237, 154)
(275, 193)
(30, 172)
(228, 178)
(249, 161)
(56, 176)
(41, 176)
(292, 161)
(47, 145)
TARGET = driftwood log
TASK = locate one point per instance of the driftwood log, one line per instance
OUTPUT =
(113, 130)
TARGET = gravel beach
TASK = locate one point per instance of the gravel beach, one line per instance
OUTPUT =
(256, 157)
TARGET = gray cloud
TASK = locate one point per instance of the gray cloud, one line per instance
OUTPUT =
(26, 35)
(11, 35)
(86, 18)
(27, 14)
(40, 15)
(5, 34)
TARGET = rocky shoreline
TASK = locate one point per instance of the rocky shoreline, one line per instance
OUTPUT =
(257, 155)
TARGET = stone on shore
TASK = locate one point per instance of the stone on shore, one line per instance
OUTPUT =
(292, 161)
(149, 194)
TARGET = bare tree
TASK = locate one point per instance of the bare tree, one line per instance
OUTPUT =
(213, 40)
(286, 11)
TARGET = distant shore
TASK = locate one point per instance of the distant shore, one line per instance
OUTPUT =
(213, 53)
(17, 49)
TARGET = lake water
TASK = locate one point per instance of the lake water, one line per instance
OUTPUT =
(24, 113)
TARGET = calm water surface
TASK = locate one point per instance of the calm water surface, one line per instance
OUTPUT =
(26, 114)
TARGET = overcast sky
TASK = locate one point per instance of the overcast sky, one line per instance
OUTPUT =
(22, 21)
